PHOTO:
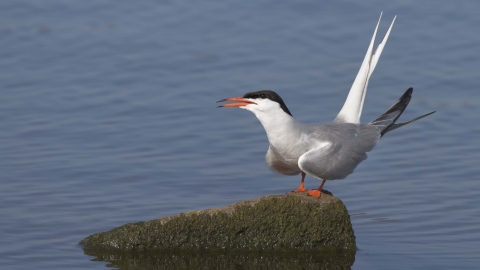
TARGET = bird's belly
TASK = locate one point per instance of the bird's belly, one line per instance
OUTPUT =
(288, 155)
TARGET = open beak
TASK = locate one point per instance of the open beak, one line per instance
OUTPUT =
(238, 99)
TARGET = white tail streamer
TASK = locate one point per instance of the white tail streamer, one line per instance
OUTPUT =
(352, 109)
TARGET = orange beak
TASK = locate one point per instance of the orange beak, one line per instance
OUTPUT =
(239, 99)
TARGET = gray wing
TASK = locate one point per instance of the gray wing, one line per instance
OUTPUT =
(276, 163)
(338, 157)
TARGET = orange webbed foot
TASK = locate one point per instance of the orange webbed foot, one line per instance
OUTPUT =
(300, 189)
(314, 193)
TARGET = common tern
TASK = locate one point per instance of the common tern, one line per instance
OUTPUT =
(325, 151)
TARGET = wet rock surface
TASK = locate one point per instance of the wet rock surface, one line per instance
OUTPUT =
(269, 223)
(237, 260)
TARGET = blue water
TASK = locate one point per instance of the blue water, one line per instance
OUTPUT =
(107, 116)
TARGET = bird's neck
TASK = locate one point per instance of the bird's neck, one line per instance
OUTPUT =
(281, 128)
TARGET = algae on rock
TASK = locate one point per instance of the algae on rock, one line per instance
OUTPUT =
(275, 222)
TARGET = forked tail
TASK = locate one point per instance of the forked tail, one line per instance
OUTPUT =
(352, 109)
(386, 122)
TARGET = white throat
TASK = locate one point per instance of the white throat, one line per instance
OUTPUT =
(281, 128)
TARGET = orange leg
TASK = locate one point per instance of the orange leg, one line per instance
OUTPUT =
(316, 192)
(301, 188)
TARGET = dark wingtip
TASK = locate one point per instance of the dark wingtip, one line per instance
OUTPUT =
(407, 93)
(395, 126)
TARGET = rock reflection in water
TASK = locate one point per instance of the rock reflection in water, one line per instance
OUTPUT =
(226, 260)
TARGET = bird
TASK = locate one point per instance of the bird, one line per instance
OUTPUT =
(324, 151)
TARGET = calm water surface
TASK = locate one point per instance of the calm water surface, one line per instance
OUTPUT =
(107, 116)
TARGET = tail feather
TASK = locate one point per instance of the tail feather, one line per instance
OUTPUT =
(352, 109)
(386, 121)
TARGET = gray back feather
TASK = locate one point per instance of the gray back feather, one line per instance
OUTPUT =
(349, 145)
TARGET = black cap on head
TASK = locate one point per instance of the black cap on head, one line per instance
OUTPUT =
(269, 94)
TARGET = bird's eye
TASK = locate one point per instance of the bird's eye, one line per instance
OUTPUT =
(263, 96)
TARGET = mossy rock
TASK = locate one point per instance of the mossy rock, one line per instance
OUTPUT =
(270, 223)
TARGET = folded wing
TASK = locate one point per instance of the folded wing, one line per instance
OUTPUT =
(337, 157)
